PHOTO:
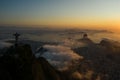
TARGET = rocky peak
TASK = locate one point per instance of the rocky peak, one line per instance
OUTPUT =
(19, 63)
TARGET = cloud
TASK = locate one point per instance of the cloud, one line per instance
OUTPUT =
(59, 56)
(4, 44)
(76, 75)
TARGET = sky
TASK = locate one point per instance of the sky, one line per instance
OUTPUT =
(61, 13)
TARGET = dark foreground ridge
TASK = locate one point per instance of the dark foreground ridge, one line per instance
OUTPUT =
(19, 63)
(100, 62)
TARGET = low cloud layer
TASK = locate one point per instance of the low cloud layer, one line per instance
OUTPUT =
(60, 57)
(4, 44)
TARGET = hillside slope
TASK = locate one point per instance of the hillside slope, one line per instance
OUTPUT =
(18, 63)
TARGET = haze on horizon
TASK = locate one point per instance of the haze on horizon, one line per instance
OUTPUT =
(94, 14)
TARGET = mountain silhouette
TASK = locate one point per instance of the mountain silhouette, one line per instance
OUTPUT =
(101, 61)
(19, 63)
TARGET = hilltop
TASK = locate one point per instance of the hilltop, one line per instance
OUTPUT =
(19, 63)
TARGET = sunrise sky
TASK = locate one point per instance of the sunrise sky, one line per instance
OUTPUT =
(61, 13)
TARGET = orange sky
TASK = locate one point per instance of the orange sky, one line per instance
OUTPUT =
(92, 14)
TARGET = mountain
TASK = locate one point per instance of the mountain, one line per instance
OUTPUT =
(19, 63)
(111, 46)
(101, 61)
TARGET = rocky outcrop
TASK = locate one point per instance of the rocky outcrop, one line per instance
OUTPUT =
(19, 63)
(101, 61)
